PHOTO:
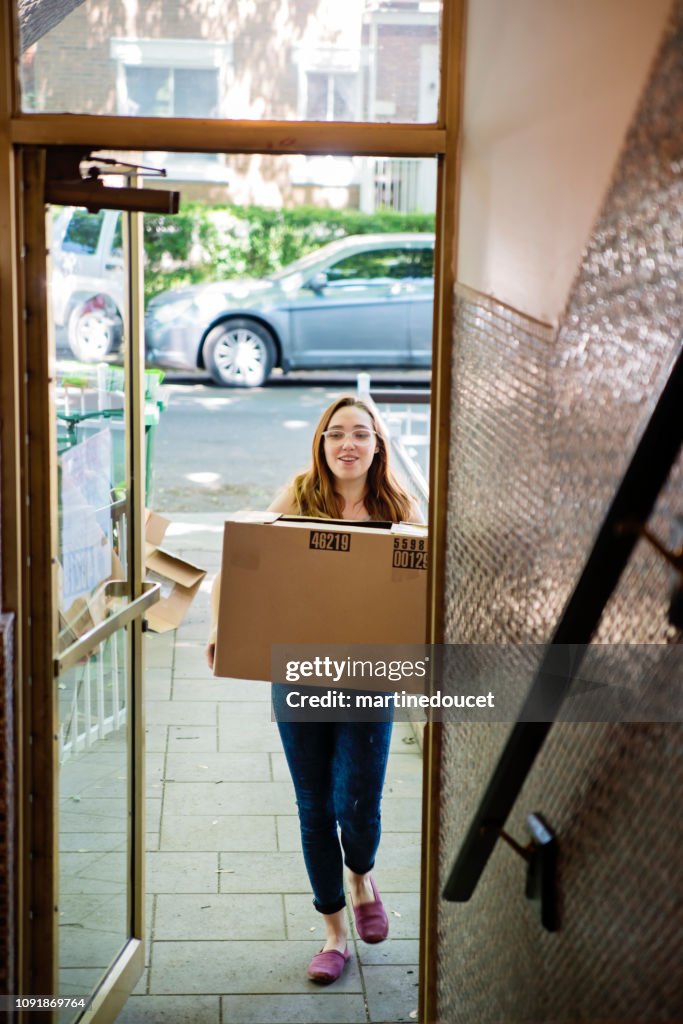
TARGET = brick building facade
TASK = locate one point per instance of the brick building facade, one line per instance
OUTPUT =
(305, 59)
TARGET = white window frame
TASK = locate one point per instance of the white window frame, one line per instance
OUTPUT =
(200, 54)
(330, 60)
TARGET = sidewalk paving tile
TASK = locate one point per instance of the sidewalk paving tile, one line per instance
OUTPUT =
(158, 689)
(152, 814)
(220, 797)
(277, 966)
(192, 737)
(159, 652)
(191, 661)
(214, 767)
(223, 917)
(236, 737)
(262, 872)
(182, 872)
(180, 712)
(325, 1007)
(156, 739)
(220, 833)
(144, 1009)
(401, 815)
(245, 710)
(223, 691)
(93, 815)
(391, 992)
(82, 842)
(393, 952)
(154, 766)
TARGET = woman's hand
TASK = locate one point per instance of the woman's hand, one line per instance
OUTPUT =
(210, 654)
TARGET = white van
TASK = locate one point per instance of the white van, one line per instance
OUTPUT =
(88, 281)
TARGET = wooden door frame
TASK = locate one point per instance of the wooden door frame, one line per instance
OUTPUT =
(22, 136)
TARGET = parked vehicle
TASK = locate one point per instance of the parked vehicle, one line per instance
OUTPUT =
(88, 281)
(362, 301)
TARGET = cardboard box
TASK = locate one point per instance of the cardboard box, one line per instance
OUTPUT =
(180, 580)
(302, 581)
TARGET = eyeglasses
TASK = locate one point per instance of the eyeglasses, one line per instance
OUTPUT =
(360, 437)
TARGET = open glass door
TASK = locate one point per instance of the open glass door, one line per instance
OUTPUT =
(86, 410)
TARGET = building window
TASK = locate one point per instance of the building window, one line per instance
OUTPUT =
(171, 92)
(331, 96)
(171, 77)
(330, 83)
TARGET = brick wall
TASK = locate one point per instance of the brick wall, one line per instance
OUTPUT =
(398, 68)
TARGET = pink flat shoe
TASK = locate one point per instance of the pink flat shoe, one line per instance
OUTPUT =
(328, 965)
(372, 923)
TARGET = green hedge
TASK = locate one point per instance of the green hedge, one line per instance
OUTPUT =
(210, 243)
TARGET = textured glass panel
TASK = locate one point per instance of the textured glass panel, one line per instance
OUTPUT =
(543, 425)
(363, 60)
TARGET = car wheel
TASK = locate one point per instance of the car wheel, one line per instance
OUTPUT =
(239, 353)
(94, 330)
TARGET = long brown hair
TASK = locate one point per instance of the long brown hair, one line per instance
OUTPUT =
(314, 490)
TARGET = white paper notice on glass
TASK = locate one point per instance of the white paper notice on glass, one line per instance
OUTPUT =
(86, 532)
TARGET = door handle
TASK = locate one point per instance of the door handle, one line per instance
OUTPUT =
(117, 588)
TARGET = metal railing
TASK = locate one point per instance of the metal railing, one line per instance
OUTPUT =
(92, 698)
(404, 415)
(93, 673)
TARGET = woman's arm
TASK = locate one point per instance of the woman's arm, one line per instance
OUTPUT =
(211, 645)
(285, 502)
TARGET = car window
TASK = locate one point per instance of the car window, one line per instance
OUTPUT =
(394, 264)
(83, 232)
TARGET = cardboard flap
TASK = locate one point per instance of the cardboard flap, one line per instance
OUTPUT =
(174, 568)
(155, 528)
(410, 529)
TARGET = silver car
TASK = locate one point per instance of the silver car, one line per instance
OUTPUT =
(88, 281)
(363, 301)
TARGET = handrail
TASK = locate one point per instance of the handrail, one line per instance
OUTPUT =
(115, 588)
(411, 396)
(633, 502)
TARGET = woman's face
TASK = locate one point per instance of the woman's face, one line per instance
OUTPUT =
(348, 458)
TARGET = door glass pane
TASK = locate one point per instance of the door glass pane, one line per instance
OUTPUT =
(93, 701)
(363, 60)
(94, 695)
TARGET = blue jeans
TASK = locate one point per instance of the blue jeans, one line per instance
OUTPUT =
(338, 771)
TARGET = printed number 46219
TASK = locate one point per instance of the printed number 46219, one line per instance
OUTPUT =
(328, 540)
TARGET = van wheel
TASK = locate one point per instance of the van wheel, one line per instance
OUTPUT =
(240, 354)
(94, 329)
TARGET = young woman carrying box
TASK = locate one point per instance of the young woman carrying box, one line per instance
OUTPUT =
(338, 767)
